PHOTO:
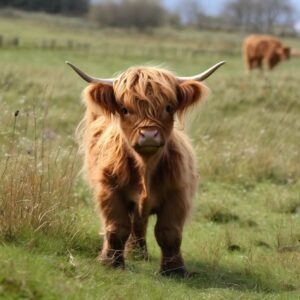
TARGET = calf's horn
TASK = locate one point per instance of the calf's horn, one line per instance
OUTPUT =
(202, 76)
(89, 78)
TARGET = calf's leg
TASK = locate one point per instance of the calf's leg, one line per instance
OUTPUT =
(117, 229)
(168, 233)
(137, 245)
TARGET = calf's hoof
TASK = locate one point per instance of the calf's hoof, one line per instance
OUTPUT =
(180, 272)
(117, 261)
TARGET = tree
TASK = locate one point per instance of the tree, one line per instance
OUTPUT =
(77, 7)
(260, 16)
(190, 11)
(129, 13)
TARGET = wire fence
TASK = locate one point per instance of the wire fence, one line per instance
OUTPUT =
(121, 50)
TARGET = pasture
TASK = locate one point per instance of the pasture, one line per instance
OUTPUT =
(243, 238)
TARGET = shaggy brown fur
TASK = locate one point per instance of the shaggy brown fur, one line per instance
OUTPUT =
(131, 181)
(264, 49)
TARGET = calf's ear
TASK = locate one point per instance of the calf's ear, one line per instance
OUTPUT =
(287, 51)
(100, 98)
(190, 93)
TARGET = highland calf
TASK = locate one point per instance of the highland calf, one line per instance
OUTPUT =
(264, 49)
(137, 162)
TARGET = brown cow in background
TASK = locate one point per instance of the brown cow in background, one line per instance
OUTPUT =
(264, 49)
(137, 162)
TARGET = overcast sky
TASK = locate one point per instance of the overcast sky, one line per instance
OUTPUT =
(213, 7)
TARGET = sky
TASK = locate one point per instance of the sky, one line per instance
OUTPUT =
(213, 7)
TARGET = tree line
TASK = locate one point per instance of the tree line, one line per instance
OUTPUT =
(130, 13)
(67, 7)
(267, 16)
(261, 16)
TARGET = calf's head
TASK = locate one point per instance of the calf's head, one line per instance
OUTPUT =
(145, 101)
(284, 53)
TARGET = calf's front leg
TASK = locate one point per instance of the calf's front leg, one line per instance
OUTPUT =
(168, 233)
(117, 228)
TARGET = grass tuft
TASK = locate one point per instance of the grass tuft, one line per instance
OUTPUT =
(36, 180)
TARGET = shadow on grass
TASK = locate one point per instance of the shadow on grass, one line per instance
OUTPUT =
(211, 276)
(206, 275)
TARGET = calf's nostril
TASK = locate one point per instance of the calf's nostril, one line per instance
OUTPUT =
(142, 133)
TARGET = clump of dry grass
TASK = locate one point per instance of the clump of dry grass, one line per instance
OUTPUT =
(36, 178)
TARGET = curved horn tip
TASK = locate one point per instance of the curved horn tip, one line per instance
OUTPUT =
(89, 78)
(83, 75)
(202, 76)
(220, 63)
(69, 64)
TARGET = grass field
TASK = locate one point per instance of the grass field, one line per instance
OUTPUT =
(244, 236)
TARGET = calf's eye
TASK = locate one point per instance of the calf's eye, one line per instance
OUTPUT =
(124, 111)
(169, 108)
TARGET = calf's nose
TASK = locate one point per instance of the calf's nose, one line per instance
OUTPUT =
(149, 137)
(148, 133)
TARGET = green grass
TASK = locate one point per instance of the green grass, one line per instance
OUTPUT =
(243, 237)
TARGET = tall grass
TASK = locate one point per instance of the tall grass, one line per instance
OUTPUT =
(247, 132)
(36, 177)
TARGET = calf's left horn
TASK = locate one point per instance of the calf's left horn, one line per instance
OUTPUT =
(89, 78)
(202, 76)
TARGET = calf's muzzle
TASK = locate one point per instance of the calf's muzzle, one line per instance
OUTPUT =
(149, 140)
